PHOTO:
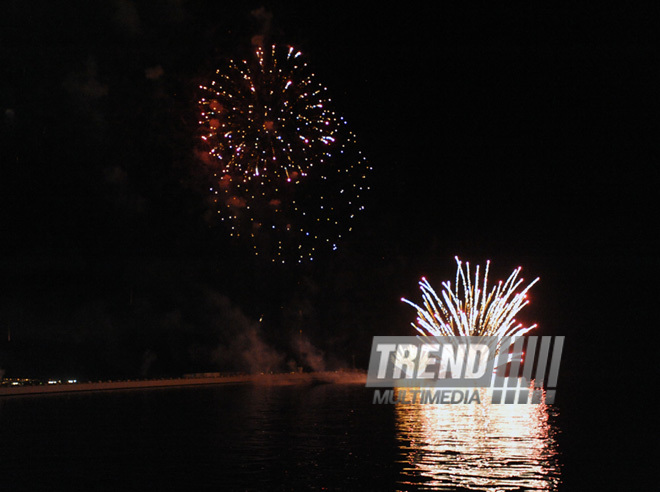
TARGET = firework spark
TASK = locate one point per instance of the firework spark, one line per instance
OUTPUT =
(470, 309)
(286, 171)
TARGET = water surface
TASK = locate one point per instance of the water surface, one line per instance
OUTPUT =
(244, 437)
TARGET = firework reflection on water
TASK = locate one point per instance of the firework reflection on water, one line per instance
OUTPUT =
(478, 446)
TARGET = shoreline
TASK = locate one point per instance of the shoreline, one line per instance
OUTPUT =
(326, 377)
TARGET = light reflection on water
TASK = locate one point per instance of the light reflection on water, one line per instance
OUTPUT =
(478, 446)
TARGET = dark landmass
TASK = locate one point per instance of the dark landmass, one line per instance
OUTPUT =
(340, 377)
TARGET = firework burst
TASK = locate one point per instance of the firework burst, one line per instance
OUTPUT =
(470, 309)
(286, 172)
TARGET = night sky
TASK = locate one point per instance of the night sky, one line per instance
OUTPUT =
(515, 134)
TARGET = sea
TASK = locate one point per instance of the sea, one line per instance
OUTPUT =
(295, 437)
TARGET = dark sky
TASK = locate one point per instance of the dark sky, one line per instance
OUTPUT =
(516, 134)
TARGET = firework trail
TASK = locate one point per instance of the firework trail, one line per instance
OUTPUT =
(286, 171)
(470, 309)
